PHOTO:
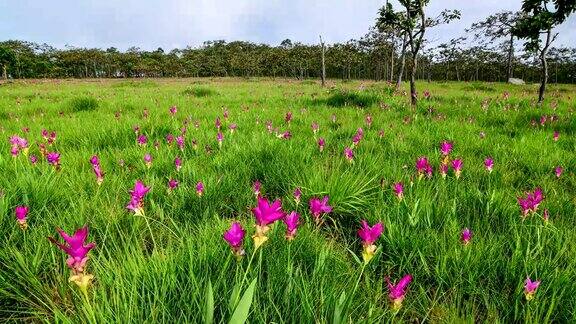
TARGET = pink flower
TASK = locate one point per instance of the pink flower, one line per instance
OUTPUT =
(546, 215)
(180, 142)
(76, 248)
(369, 235)
(368, 120)
(148, 160)
(220, 138)
(169, 139)
(291, 221)
(297, 195)
(256, 187)
(457, 166)
(398, 189)
(489, 164)
(53, 158)
(218, 123)
(178, 163)
(423, 167)
(319, 207)
(142, 139)
(21, 213)
(234, 237)
(530, 288)
(173, 110)
(33, 159)
(426, 94)
(286, 135)
(199, 188)
(446, 148)
(137, 194)
(315, 127)
(349, 154)
(529, 203)
(232, 127)
(466, 236)
(556, 136)
(288, 117)
(397, 293)
(172, 184)
(265, 214)
(558, 171)
(321, 143)
(443, 169)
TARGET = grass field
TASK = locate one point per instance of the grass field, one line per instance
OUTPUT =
(173, 265)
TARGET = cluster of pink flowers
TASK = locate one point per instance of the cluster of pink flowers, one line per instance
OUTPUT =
(530, 202)
(319, 207)
(18, 144)
(137, 195)
(423, 167)
(357, 137)
(97, 169)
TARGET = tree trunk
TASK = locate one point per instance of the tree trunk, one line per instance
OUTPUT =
(323, 64)
(4, 74)
(544, 80)
(413, 95)
(403, 62)
(510, 56)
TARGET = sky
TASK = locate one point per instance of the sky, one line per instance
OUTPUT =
(169, 24)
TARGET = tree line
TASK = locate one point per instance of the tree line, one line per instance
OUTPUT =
(394, 49)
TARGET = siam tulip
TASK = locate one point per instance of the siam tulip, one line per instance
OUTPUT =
(157, 145)
(172, 184)
(286, 135)
(145, 113)
(558, 171)
(315, 127)
(180, 142)
(291, 221)
(266, 213)
(423, 167)
(489, 164)
(256, 187)
(77, 249)
(173, 110)
(321, 144)
(33, 159)
(556, 136)
(53, 158)
(297, 195)
(443, 169)
(530, 203)
(21, 213)
(137, 198)
(398, 189)
(288, 117)
(546, 215)
(357, 137)
(169, 139)
(466, 236)
(44, 133)
(368, 120)
(457, 166)
(397, 293)
(234, 237)
(319, 207)
(199, 188)
(97, 170)
(543, 120)
(369, 235)
(220, 138)
(530, 288)
(381, 133)
(178, 163)
(218, 123)
(14, 150)
(269, 126)
(446, 148)
(225, 113)
(142, 140)
(148, 160)
(426, 94)
(349, 154)
(232, 127)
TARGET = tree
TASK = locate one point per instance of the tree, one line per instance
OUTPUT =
(540, 19)
(323, 75)
(7, 57)
(498, 26)
(413, 23)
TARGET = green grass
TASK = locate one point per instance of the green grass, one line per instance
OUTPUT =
(173, 265)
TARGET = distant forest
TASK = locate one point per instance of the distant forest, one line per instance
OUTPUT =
(487, 52)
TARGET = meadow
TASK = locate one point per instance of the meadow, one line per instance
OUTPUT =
(165, 259)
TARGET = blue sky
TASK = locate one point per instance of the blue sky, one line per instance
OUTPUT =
(149, 24)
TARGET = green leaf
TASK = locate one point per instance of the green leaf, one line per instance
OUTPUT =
(339, 309)
(243, 309)
(209, 305)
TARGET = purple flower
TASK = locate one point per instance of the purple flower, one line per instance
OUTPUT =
(368, 120)
(169, 139)
(529, 203)
(349, 154)
(556, 136)
(148, 160)
(457, 166)
(137, 194)
(199, 188)
(142, 139)
(288, 117)
(265, 214)
(423, 167)
(319, 207)
(178, 163)
(180, 142)
(398, 189)
(291, 221)
(232, 127)
(369, 235)
(530, 288)
(173, 110)
(76, 248)
(234, 237)
(297, 195)
(466, 236)
(558, 171)
(21, 213)
(315, 127)
(218, 123)
(220, 138)
(489, 164)
(321, 144)
(256, 187)
(397, 293)
(446, 148)
(443, 169)
(172, 184)
(33, 159)
(53, 158)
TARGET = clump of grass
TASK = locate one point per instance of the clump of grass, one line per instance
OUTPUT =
(476, 86)
(85, 103)
(344, 98)
(136, 84)
(199, 92)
